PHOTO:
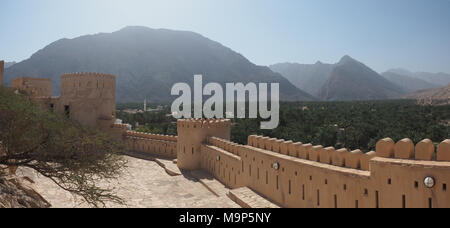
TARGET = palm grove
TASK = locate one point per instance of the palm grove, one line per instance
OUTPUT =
(352, 125)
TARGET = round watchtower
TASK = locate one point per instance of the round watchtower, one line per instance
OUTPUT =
(192, 133)
(89, 98)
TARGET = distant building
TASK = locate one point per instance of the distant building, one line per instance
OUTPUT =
(2, 70)
(157, 109)
(37, 87)
(89, 98)
(145, 105)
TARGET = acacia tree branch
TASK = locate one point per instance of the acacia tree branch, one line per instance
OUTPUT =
(74, 157)
(94, 198)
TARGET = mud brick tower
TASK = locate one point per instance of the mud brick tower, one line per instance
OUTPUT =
(192, 133)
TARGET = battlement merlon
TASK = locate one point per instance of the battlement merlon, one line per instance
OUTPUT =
(149, 136)
(32, 79)
(356, 159)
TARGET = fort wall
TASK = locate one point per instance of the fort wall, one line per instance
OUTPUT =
(313, 176)
(192, 134)
(37, 87)
(88, 98)
(293, 174)
(221, 158)
(152, 144)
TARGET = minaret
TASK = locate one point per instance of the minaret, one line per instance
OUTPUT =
(2, 69)
(145, 105)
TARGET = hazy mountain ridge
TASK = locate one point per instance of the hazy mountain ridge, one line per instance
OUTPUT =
(352, 80)
(148, 62)
(408, 83)
(438, 79)
(313, 76)
(346, 80)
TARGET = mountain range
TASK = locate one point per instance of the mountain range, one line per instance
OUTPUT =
(436, 79)
(408, 83)
(307, 77)
(350, 79)
(148, 62)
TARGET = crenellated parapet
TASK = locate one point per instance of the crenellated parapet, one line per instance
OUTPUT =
(151, 136)
(224, 144)
(318, 153)
(203, 123)
(356, 159)
(293, 174)
(405, 149)
(222, 158)
(87, 74)
(152, 144)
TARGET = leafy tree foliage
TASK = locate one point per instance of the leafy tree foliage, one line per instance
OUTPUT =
(352, 125)
(76, 158)
(151, 122)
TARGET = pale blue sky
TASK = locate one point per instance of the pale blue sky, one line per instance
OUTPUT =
(412, 34)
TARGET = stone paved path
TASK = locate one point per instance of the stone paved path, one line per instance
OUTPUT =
(250, 199)
(210, 182)
(143, 184)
